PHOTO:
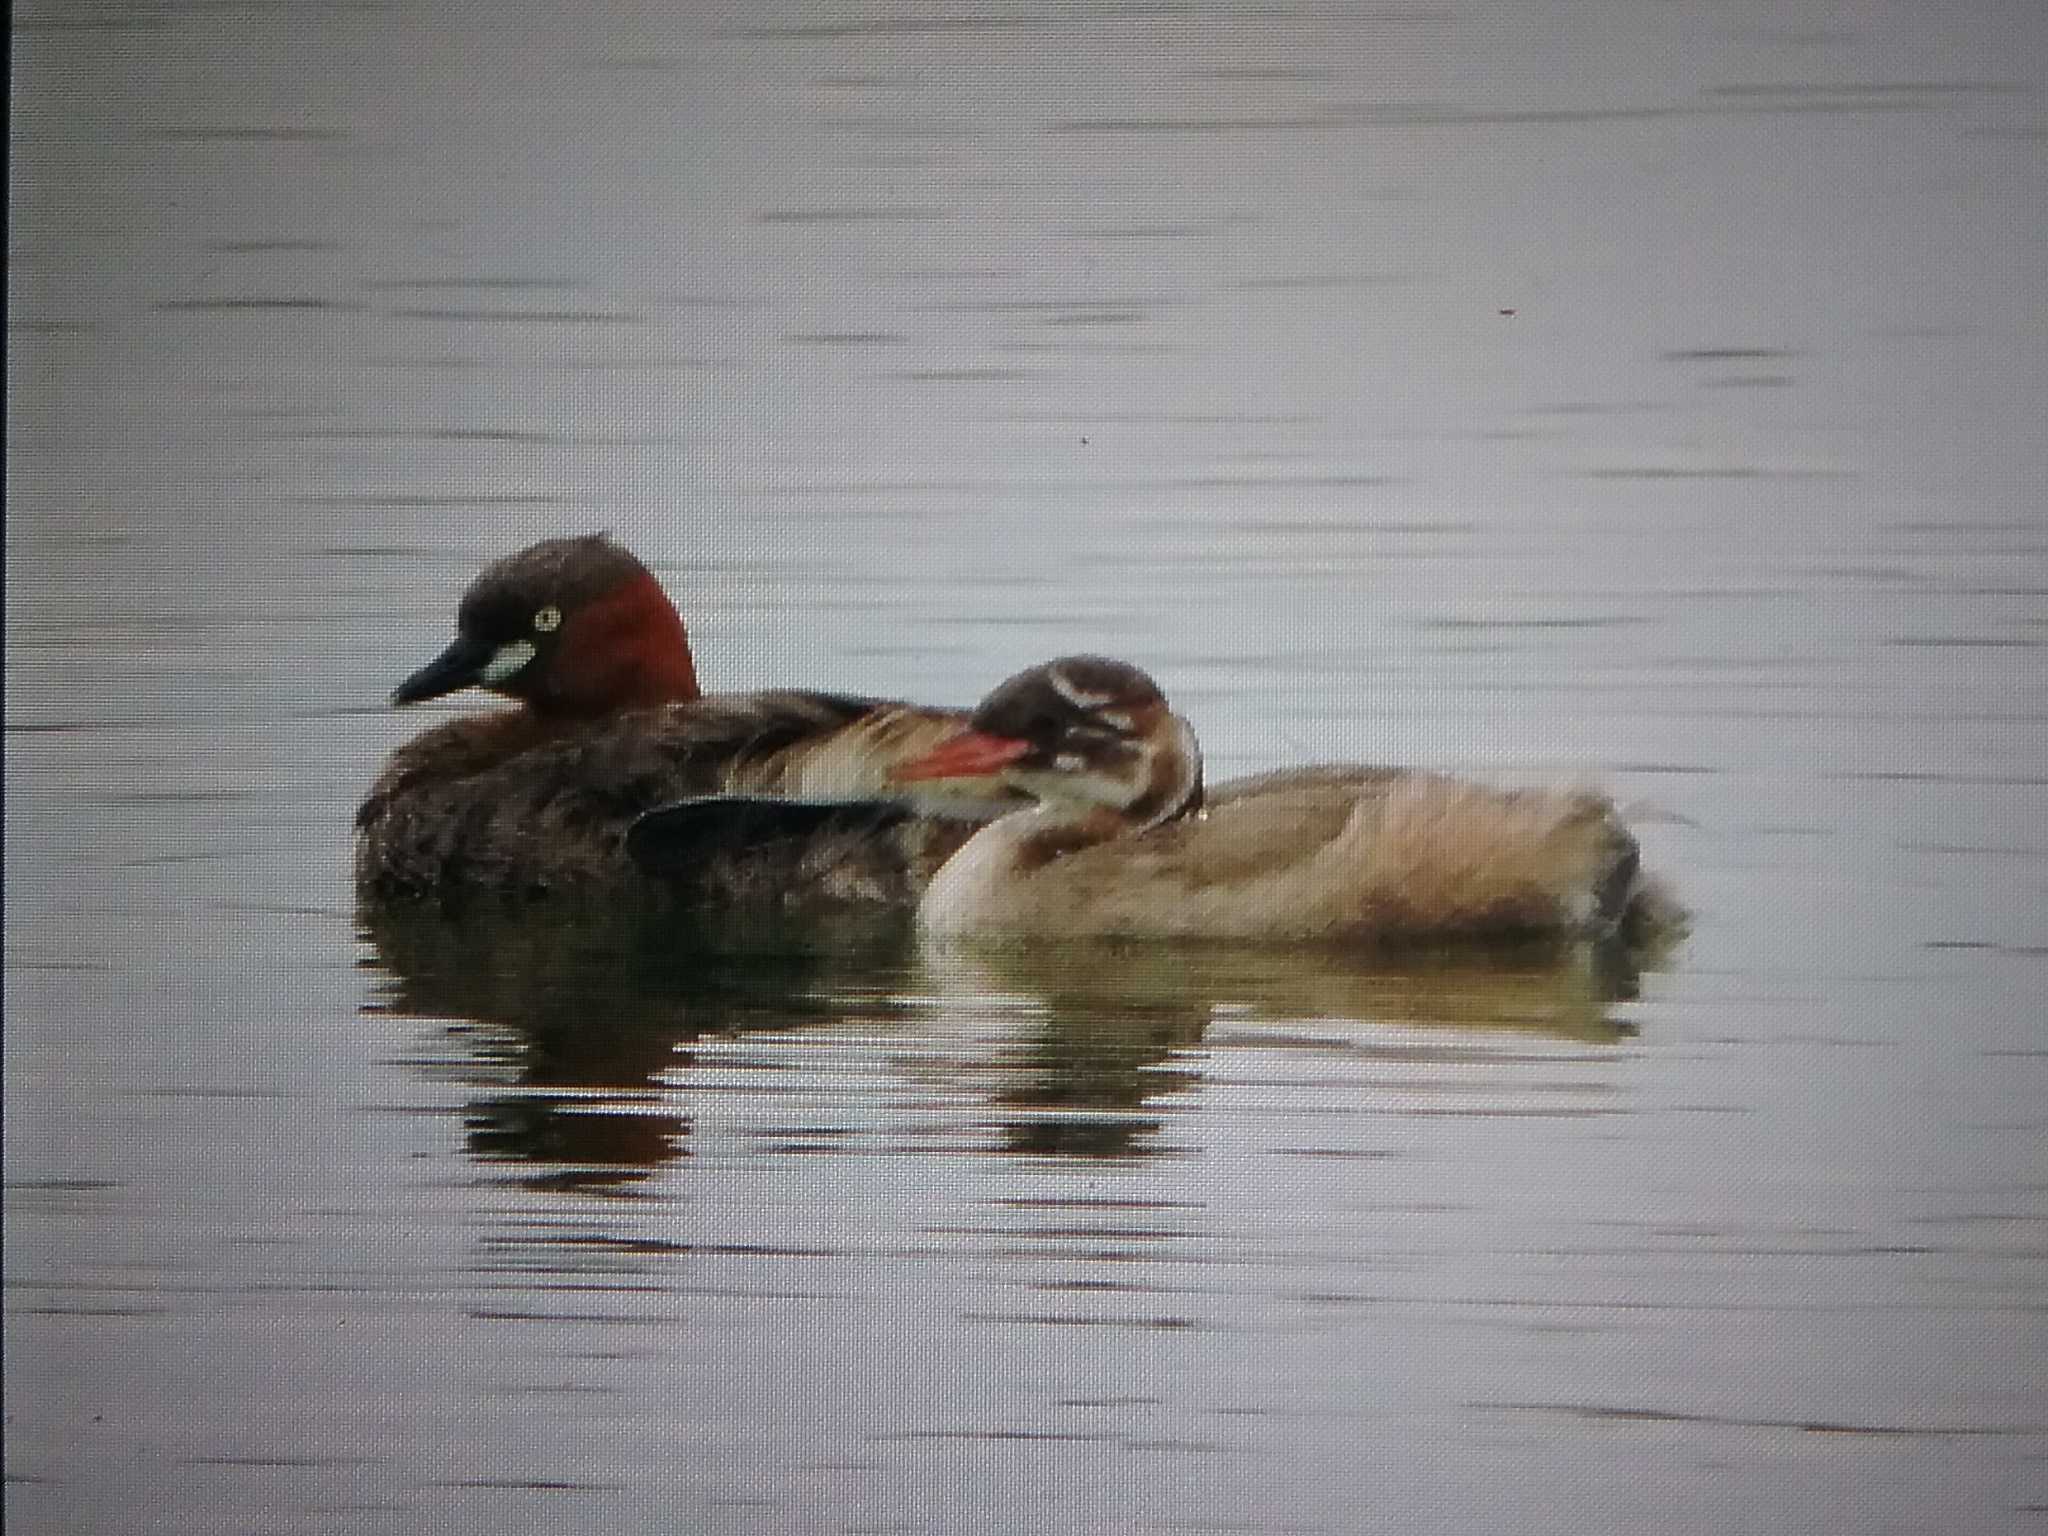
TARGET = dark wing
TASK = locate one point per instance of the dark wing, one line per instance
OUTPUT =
(685, 837)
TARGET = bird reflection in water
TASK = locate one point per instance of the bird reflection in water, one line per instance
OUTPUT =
(580, 1028)
(575, 1015)
(1081, 1045)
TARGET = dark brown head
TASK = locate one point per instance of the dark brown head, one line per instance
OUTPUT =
(573, 627)
(1085, 731)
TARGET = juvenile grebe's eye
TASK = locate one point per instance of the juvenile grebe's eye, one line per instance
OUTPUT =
(547, 620)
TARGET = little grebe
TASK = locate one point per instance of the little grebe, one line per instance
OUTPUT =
(609, 723)
(1122, 844)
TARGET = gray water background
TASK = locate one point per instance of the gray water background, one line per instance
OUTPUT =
(1650, 395)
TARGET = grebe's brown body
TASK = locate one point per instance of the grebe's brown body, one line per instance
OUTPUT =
(609, 722)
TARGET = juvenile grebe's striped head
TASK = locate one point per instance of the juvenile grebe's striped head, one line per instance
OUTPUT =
(1085, 732)
(572, 627)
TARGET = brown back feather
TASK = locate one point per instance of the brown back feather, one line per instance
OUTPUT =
(499, 802)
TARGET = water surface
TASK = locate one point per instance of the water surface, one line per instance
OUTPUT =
(1640, 395)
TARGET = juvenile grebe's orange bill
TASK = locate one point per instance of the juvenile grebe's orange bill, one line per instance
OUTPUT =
(971, 754)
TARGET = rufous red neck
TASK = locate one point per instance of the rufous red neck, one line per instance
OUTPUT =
(626, 650)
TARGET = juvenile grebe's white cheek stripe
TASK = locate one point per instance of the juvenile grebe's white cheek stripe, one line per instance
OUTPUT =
(506, 662)
(1080, 698)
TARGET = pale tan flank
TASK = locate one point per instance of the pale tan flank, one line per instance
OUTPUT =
(1340, 855)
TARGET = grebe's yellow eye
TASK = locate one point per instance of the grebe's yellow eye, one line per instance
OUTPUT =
(547, 620)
